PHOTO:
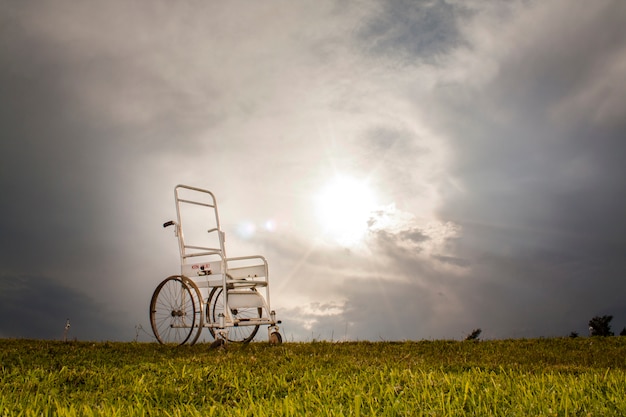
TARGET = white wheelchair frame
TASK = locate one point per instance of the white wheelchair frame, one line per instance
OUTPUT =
(229, 296)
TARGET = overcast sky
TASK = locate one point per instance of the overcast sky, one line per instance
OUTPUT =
(483, 143)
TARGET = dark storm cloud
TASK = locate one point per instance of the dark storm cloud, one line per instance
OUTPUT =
(544, 189)
(49, 162)
(525, 165)
(518, 146)
(520, 289)
(66, 169)
(410, 30)
(37, 307)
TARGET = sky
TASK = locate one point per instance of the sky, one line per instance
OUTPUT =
(410, 169)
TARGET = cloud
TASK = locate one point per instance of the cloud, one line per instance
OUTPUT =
(523, 176)
(38, 307)
(533, 170)
(411, 31)
(494, 150)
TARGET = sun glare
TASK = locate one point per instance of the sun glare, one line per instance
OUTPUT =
(343, 208)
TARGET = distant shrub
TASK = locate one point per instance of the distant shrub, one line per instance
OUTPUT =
(600, 326)
(474, 335)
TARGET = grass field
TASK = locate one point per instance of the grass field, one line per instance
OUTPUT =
(542, 377)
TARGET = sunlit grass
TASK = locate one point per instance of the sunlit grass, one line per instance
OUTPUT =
(546, 377)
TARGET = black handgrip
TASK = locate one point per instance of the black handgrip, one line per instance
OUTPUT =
(170, 223)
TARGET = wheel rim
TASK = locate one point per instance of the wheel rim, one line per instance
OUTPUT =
(173, 313)
(241, 333)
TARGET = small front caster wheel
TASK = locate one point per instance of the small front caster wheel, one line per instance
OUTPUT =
(276, 338)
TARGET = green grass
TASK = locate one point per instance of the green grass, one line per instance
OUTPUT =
(544, 377)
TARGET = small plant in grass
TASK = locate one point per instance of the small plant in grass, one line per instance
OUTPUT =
(474, 335)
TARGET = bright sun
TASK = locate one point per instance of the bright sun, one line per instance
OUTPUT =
(343, 208)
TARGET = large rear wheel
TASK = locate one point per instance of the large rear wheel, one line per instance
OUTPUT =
(175, 311)
(240, 333)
